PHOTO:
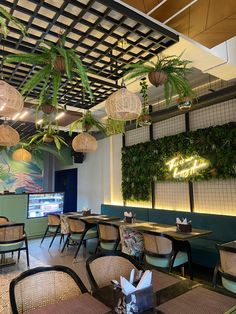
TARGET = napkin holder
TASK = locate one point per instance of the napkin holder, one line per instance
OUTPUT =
(184, 227)
(129, 220)
(86, 212)
(135, 302)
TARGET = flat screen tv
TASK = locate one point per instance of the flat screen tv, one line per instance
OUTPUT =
(42, 204)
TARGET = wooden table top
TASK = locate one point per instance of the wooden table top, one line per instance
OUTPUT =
(163, 228)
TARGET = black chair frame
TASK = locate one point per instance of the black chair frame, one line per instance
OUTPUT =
(177, 246)
(54, 233)
(116, 242)
(36, 270)
(91, 278)
(24, 238)
(218, 272)
(88, 226)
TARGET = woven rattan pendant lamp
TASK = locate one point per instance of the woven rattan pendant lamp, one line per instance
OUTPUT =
(22, 154)
(8, 136)
(123, 105)
(84, 143)
(11, 101)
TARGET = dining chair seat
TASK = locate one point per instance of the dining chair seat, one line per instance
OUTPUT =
(52, 229)
(90, 234)
(181, 258)
(109, 246)
(11, 246)
(229, 284)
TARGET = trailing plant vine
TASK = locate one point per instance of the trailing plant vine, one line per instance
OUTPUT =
(146, 162)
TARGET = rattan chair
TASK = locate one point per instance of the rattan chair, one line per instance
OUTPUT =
(41, 286)
(80, 231)
(108, 236)
(163, 251)
(53, 228)
(226, 268)
(13, 239)
(106, 266)
(3, 220)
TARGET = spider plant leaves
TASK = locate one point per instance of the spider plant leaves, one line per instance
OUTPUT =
(67, 60)
(12, 19)
(56, 85)
(29, 58)
(74, 125)
(79, 68)
(42, 74)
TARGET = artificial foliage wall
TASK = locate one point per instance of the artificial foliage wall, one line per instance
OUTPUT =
(200, 155)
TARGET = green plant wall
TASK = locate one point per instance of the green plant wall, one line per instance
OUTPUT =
(146, 162)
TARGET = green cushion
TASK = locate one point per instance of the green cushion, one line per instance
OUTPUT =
(109, 246)
(162, 262)
(229, 284)
(52, 229)
(11, 247)
(90, 234)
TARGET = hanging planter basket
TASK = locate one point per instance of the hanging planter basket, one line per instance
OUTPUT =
(47, 108)
(60, 65)
(84, 143)
(11, 101)
(47, 139)
(22, 154)
(8, 136)
(123, 105)
(157, 78)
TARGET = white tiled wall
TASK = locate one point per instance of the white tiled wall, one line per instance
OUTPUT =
(169, 127)
(213, 115)
(136, 136)
(215, 196)
(172, 195)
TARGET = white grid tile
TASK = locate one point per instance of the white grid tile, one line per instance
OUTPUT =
(215, 197)
(169, 127)
(136, 136)
(214, 115)
(172, 195)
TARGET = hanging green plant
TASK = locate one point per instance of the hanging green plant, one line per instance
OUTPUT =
(47, 136)
(86, 122)
(115, 127)
(7, 17)
(55, 61)
(144, 119)
(170, 71)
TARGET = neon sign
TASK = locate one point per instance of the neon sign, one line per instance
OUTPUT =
(182, 168)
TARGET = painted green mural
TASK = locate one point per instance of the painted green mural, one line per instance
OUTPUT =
(21, 177)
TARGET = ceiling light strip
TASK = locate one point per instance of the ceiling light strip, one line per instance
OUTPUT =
(180, 11)
(156, 7)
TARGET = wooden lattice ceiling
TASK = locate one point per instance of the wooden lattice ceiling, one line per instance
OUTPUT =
(93, 28)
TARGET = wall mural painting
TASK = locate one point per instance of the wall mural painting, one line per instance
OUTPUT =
(19, 176)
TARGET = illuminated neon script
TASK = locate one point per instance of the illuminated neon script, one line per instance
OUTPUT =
(181, 167)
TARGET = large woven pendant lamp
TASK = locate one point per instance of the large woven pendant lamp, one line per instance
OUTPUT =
(8, 136)
(22, 154)
(84, 143)
(11, 101)
(123, 105)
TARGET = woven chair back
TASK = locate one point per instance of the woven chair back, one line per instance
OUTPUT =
(3, 220)
(54, 220)
(44, 288)
(157, 244)
(108, 232)
(228, 261)
(76, 225)
(106, 268)
(11, 233)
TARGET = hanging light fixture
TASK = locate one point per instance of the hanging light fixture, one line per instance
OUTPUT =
(22, 154)
(11, 101)
(8, 136)
(123, 105)
(84, 143)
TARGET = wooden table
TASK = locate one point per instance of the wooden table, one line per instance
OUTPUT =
(229, 246)
(163, 228)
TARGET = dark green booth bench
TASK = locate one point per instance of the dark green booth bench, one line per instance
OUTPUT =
(204, 248)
